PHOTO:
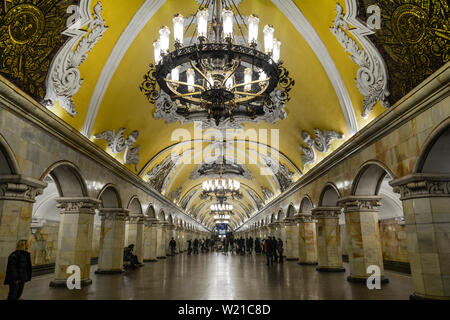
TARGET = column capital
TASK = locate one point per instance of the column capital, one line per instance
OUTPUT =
(136, 218)
(422, 185)
(326, 212)
(114, 213)
(150, 222)
(360, 203)
(78, 205)
(304, 218)
(20, 188)
(290, 221)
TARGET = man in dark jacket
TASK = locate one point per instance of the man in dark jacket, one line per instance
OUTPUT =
(173, 246)
(271, 244)
(128, 256)
(280, 250)
(189, 247)
(250, 245)
(18, 270)
(195, 246)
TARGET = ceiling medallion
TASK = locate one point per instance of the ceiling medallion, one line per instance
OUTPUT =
(216, 79)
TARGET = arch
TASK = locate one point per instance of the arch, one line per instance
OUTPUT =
(8, 163)
(369, 178)
(68, 179)
(162, 215)
(110, 196)
(280, 215)
(435, 155)
(306, 205)
(329, 195)
(290, 211)
(151, 213)
(134, 205)
(272, 218)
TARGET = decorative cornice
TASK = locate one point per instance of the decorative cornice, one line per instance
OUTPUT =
(78, 205)
(64, 78)
(114, 213)
(422, 185)
(306, 218)
(372, 77)
(326, 212)
(308, 32)
(20, 188)
(360, 203)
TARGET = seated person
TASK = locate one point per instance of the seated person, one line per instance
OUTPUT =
(128, 256)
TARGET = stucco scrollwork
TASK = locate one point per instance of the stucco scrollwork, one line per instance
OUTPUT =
(321, 142)
(372, 76)
(64, 78)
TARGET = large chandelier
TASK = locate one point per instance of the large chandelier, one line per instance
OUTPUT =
(221, 189)
(218, 73)
(221, 207)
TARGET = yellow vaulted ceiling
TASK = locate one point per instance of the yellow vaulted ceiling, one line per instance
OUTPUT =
(314, 102)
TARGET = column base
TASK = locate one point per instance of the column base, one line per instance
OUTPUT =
(161, 257)
(416, 296)
(150, 260)
(63, 283)
(291, 259)
(326, 269)
(114, 271)
(364, 280)
(307, 263)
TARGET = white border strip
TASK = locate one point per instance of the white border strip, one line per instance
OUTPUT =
(140, 19)
(303, 26)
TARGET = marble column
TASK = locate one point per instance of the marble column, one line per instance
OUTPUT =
(74, 238)
(112, 236)
(291, 244)
(17, 195)
(150, 239)
(363, 234)
(136, 235)
(161, 240)
(169, 234)
(426, 208)
(328, 239)
(307, 244)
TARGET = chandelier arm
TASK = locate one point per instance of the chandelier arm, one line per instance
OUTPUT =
(237, 22)
(252, 82)
(202, 74)
(238, 64)
(184, 83)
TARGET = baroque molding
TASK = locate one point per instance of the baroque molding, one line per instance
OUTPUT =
(360, 203)
(326, 212)
(268, 194)
(78, 205)
(372, 77)
(422, 185)
(64, 78)
(322, 143)
(117, 143)
(18, 188)
(306, 218)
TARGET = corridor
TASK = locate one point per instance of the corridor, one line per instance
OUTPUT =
(215, 276)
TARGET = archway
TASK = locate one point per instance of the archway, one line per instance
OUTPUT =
(306, 205)
(435, 158)
(134, 231)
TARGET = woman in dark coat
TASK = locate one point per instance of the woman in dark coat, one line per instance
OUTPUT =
(18, 270)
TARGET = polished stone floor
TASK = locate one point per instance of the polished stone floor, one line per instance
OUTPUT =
(215, 276)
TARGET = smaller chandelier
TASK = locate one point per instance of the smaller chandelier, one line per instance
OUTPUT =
(221, 189)
(222, 217)
(220, 207)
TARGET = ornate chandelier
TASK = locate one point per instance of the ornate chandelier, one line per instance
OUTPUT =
(221, 189)
(221, 207)
(218, 73)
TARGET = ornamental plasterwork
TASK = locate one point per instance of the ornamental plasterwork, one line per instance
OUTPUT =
(117, 143)
(372, 77)
(187, 198)
(284, 176)
(255, 198)
(176, 194)
(64, 78)
(268, 194)
(157, 176)
(229, 170)
(321, 142)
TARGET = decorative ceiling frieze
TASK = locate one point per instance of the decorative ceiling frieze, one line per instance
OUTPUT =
(268, 194)
(176, 194)
(372, 77)
(117, 143)
(159, 172)
(64, 78)
(322, 143)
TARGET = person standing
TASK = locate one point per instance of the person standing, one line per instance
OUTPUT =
(189, 247)
(18, 270)
(270, 249)
(195, 246)
(280, 250)
(173, 246)
(274, 244)
(250, 245)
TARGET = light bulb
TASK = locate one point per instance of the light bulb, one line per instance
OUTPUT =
(210, 82)
(276, 50)
(164, 39)
(268, 38)
(229, 83)
(253, 26)
(157, 51)
(190, 73)
(202, 22)
(227, 18)
(175, 74)
(248, 78)
(178, 28)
